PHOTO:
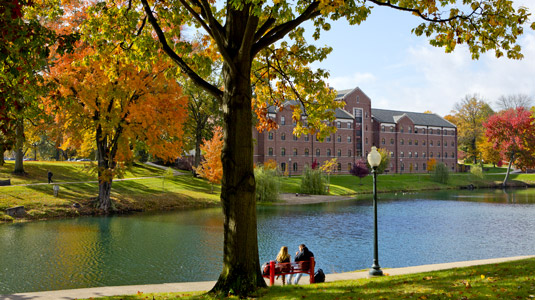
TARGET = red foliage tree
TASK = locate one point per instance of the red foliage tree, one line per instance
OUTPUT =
(512, 132)
(360, 169)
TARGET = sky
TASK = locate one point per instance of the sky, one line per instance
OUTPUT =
(401, 71)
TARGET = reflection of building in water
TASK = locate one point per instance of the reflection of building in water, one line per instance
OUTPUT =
(410, 138)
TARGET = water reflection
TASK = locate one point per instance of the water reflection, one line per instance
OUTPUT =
(414, 229)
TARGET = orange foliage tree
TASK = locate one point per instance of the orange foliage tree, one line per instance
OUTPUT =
(212, 167)
(431, 164)
(104, 101)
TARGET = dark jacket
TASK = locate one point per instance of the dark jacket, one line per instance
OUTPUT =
(304, 255)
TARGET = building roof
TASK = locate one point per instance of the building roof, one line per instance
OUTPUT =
(339, 113)
(392, 116)
(341, 93)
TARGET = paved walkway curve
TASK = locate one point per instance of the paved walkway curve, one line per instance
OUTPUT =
(207, 285)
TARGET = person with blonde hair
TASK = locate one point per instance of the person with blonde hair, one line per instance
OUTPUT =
(284, 257)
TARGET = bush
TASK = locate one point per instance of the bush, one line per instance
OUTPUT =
(313, 182)
(440, 174)
(477, 171)
(267, 184)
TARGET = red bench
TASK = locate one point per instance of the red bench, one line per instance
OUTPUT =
(275, 269)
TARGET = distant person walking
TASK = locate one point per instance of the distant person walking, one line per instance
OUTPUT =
(49, 175)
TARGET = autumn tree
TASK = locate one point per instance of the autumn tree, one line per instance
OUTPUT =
(104, 101)
(329, 166)
(512, 132)
(469, 115)
(211, 168)
(488, 153)
(263, 46)
(360, 169)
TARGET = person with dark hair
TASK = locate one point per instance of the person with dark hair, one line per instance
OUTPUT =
(49, 174)
(303, 257)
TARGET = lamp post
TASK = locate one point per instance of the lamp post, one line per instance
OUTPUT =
(374, 159)
(289, 167)
(400, 168)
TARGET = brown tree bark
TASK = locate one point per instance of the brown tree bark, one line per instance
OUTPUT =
(105, 165)
(19, 144)
(2, 150)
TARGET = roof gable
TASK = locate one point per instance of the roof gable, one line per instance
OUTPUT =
(392, 116)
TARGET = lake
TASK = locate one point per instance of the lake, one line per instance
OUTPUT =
(414, 229)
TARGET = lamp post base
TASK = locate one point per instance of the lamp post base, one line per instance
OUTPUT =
(376, 271)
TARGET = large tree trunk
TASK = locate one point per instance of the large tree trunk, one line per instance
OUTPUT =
(19, 144)
(105, 166)
(198, 142)
(2, 150)
(504, 184)
(241, 267)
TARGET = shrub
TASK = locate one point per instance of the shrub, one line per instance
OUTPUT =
(313, 182)
(267, 184)
(440, 174)
(477, 171)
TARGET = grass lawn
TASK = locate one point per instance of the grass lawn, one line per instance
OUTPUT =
(511, 280)
(131, 195)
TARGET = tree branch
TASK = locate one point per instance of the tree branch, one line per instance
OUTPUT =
(177, 59)
(282, 30)
(421, 15)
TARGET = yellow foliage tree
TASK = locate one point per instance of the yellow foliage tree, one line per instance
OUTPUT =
(431, 164)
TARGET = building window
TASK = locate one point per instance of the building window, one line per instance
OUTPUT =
(401, 154)
(366, 114)
(329, 138)
(402, 142)
(416, 131)
(270, 135)
(401, 129)
(452, 144)
(391, 128)
(295, 167)
(349, 166)
(283, 136)
(349, 125)
(283, 167)
(410, 142)
(366, 141)
(338, 124)
(438, 143)
(453, 155)
(402, 166)
(383, 128)
(415, 142)
(438, 131)
(431, 131)
(423, 142)
(424, 166)
(445, 154)
(431, 154)
(270, 151)
(295, 137)
(415, 154)
(423, 132)
(410, 154)
(391, 154)
(416, 167)
(306, 151)
(318, 152)
(349, 153)
(383, 141)
(339, 152)
(391, 141)
(306, 138)
(329, 152)
(358, 99)
(339, 139)
(424, 155)
(438, 155)
(349, 139)
(295, 151)
(283, 151)
(410, 129)
(339, 167)
(431, 143)
(283, 121)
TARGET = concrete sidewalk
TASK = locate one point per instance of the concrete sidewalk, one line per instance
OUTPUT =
(207, 285)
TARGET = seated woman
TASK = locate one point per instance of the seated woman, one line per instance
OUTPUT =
(284, 257)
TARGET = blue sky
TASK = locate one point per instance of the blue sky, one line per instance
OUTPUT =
(401, 71)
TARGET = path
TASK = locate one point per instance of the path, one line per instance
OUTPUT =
(207, 285)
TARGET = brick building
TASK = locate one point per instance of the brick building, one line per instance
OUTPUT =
(411, 138)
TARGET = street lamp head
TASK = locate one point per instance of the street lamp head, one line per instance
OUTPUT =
(374, 157)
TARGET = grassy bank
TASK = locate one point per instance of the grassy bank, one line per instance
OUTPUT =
(349, 185)
(147, 194)
(511, 280)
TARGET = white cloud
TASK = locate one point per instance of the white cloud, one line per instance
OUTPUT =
(349, 82)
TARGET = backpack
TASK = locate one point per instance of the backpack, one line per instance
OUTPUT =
(319, 277)
(265, 269)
